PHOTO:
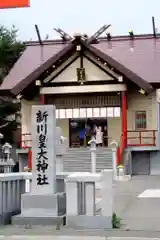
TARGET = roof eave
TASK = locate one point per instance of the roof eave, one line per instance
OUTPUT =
(35, 74)
(6, 92)
(147, 87)
(21, 86)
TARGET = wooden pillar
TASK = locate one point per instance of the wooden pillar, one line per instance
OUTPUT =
(124, 116)
(30, 159)
(42, 99)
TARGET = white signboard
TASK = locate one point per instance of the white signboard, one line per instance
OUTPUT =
(43, 149)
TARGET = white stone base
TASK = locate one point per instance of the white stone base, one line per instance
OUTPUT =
(89, 222)
(124, 178)
(36, 209)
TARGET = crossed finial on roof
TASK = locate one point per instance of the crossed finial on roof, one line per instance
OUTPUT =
(66, 37)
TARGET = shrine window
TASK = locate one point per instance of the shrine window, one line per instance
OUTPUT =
(140, 120)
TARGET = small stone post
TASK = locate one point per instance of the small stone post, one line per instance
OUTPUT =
(107, 196)
(92, 143)
(82, 209)
(60, 149)
(114, 146)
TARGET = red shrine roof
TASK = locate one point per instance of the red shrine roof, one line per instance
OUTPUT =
(138, 59)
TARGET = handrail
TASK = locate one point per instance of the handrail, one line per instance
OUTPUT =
(145, 130)
(141, 138)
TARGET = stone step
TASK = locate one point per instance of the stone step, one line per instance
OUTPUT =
(86, 161)
(78, 169)
(87, 155)
(79, 159)
(87, 165)
(87, 152)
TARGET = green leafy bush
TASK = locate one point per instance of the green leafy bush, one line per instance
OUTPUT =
(116, 221)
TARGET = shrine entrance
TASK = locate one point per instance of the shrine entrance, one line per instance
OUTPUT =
(81, 131)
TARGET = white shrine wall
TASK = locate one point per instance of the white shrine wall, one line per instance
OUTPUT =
(135, 102)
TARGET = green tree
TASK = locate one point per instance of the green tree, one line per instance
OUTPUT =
(10, 50)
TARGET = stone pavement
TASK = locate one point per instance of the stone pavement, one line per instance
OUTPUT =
(51, 232)
(138, 213)
(20, 237)
(140, 217)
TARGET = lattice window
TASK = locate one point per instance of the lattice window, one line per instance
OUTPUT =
(140, 120)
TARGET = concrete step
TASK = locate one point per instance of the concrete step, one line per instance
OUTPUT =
(85, 165)
(86, 160)
(87, 155)
(79, 159)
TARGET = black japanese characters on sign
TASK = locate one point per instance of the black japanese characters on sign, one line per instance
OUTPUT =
(42, 159)
(42, 121)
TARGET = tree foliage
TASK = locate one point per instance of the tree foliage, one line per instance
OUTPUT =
(10, 50)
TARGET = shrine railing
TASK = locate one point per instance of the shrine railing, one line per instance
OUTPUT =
(134, 138)
(141, 138)
(12, 186)
(26, 141)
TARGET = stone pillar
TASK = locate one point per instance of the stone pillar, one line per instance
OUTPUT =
(114, 146)
(81, 201)
(107, 196)
(90, 206)
(72, 198)
(60, 149)
(43, 149)
(43, 205)
(114, 163)
(92, 144)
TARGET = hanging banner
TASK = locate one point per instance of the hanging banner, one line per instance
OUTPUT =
(14, 3)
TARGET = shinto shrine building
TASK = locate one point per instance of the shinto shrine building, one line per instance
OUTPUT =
(111, 82)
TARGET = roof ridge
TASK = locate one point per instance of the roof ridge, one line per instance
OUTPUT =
(45, 42)
(113, 38)
(127, 37)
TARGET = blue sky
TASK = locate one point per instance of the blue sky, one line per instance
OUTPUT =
(82, 16)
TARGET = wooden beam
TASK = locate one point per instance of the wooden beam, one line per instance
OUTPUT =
(83, 89)
(38, 34)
